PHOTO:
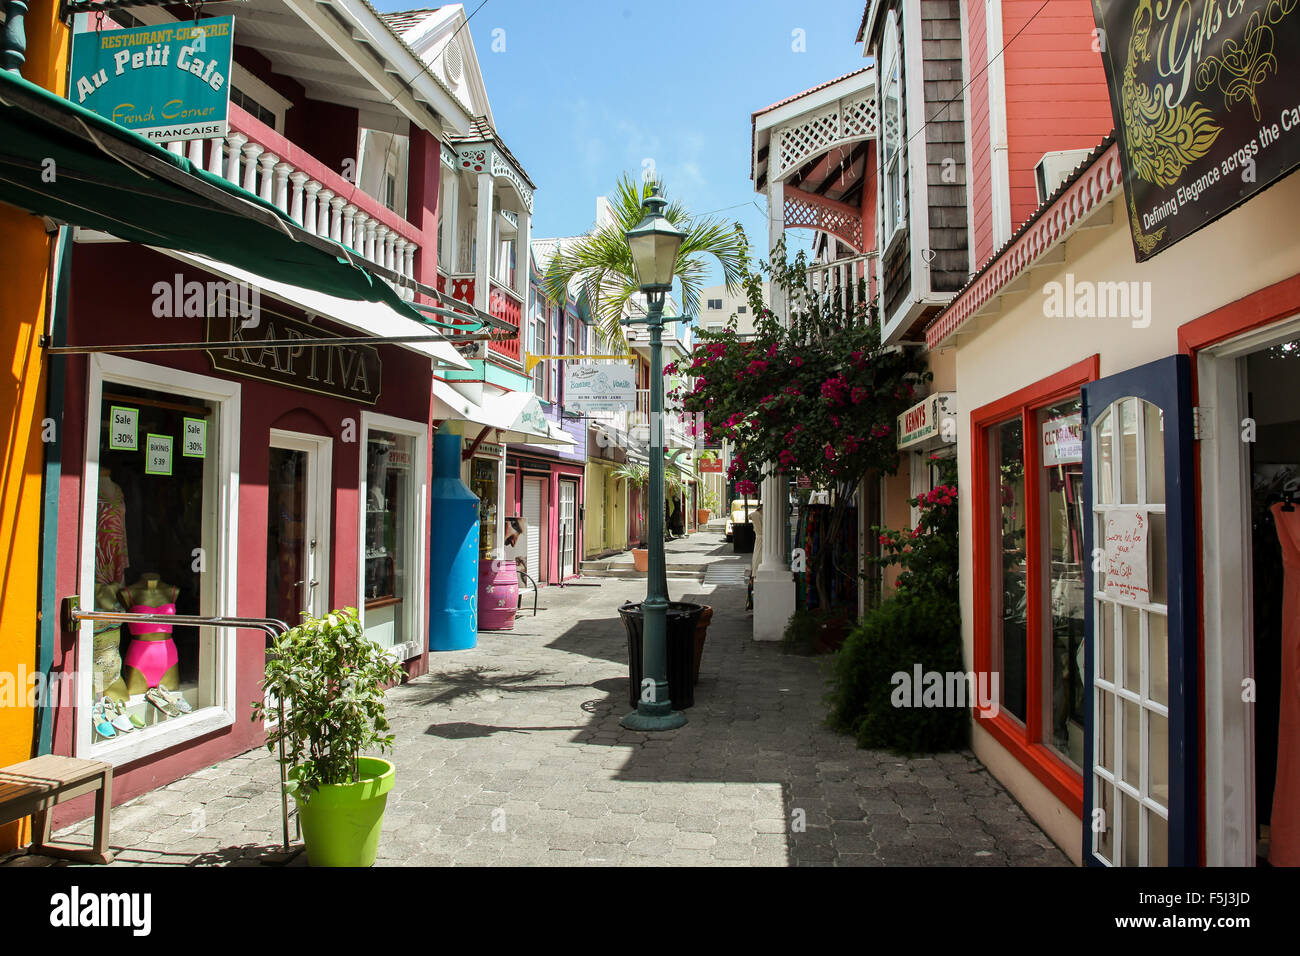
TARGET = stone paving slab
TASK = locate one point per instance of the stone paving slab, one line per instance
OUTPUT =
(512, 754)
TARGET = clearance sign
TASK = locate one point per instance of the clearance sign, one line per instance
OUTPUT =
(166, 83)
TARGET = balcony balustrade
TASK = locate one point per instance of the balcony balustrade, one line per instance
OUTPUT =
(505, 305)
(322, 201)
(850, 281)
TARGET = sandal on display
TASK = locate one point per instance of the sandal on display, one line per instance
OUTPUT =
(100, 722)
(177, 700)
(115, 714)
(158, 697)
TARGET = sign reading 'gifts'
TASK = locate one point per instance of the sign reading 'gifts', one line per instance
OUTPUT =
(1206, 101)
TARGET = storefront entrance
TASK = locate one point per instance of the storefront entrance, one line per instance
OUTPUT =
(298, 525)
(1250, 476)
(534, 494)
(568, 527)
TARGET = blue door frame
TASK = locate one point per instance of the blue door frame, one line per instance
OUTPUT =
(1165, 383)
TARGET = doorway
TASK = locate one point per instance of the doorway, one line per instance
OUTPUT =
(298, 491)
(534, 489)
(568, 527)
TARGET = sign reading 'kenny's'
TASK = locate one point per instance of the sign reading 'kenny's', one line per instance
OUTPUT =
(1206, 100)
(164, 82)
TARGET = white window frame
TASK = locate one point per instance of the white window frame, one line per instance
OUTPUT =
(416, 608)
(223, 483)
(320, 497)
(891, 56)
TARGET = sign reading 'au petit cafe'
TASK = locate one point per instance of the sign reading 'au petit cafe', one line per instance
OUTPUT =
(1206, 101)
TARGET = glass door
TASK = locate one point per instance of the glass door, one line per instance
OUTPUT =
(1141, 785)
(297, 526)
(568, 529)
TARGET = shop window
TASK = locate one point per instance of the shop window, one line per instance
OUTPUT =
(155, 546)
(892, 155)
(392, 536)
(1029, 574)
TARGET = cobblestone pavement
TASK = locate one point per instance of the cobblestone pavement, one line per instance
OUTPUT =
(511, 753)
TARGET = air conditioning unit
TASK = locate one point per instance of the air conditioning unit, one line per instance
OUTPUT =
(1054, 168)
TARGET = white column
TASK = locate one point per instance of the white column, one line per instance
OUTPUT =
(299, 179)
(323, 213)
(483, 240)
(196, 153)
(267, 161)
(349, 214)
(359, 233)
(336, 218)
(309, 214)
(773, 582)
(382, 238)
(177, 147)
(214, 155)
(449, 226)
(522, 259)
(236, 141)
(371, 228)
(251, 152)
(408, 264)
(282, 172)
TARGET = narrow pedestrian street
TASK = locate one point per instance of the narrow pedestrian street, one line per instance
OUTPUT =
(512, 754)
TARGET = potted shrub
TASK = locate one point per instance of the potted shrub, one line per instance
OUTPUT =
(332, 681)
(708, 505)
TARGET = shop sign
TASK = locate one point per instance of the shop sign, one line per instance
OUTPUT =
(924, 421)
(709, 466)
(490, 450)
(122, 428)
(158, 455)
(196, 439)
(398, 459)
(1063, 441)
(1205, 107)
(166, 82)
(598, 388)
(349, 372)
(1126, 555)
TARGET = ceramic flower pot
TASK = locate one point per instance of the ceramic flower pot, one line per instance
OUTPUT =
(641, 559)
(341, 821)
(702, 516)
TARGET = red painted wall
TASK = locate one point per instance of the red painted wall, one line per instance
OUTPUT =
(1055, 89)
(111, 303)
(424, 171)
(979, 175)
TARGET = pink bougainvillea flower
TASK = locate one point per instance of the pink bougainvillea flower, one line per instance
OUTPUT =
(830, 452)
(771, 350)
(859, 395)
(796, 361)
(787, 457)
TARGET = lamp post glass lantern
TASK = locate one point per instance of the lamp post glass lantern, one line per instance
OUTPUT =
(654, 243)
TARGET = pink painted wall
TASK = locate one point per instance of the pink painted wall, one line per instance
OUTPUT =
(111, 303)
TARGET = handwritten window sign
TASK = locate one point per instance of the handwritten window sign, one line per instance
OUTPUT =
(1063, 441)
(122, 428)
(158, 455)
(1126, 555)
(196, 439)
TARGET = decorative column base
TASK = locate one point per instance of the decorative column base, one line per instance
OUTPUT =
(653, 717)
(773, 603)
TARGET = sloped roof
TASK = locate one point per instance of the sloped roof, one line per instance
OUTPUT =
(402, 21)
(810, 91)
(481, 130)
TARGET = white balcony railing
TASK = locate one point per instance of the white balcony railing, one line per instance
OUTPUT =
(314, 196)
(850, 281)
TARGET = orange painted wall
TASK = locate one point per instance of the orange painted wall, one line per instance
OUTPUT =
(980, 176)
(22, 407)
(1055, 89)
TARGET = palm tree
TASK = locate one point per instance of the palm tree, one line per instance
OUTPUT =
(602, 264)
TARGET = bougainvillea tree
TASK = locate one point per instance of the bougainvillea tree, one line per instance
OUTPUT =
(813, 393)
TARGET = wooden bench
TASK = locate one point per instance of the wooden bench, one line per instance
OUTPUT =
(34, 787)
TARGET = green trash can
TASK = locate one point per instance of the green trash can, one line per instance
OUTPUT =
(682, 618)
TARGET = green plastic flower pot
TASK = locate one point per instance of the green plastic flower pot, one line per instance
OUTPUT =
(341, 821)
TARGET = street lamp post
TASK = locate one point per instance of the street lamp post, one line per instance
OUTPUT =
(654, 242)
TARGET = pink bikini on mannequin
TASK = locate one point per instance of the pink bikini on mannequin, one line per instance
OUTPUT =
(152, 659)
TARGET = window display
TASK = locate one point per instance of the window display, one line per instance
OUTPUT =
(483, 482)
(152, 546)
(389, 530)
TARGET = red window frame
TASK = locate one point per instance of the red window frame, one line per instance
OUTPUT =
(1023, 741)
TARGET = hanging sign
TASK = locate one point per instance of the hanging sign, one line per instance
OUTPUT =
(350, 372)
(122, 428)
(1205, 107)
(924, 421)
(1126, 555)
(599, 388)
(158, 455)
(709, 466)
(167, 82)
(195, 442)
(1063, 441)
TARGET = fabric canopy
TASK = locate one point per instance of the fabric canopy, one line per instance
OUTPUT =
(74, 166)
(370, 318)
(517, 416)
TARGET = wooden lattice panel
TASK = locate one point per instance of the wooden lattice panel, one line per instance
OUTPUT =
(844, 121)
(815, 212)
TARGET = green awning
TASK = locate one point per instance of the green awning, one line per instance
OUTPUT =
(103, 176)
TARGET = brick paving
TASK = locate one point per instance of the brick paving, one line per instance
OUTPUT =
(512, 754)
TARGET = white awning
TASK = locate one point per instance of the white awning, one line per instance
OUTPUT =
(517, 416)
(368, 318)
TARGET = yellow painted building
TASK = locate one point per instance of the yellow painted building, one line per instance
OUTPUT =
(605, 524)
(27, 251)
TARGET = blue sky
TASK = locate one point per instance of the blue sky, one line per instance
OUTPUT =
(588, 89)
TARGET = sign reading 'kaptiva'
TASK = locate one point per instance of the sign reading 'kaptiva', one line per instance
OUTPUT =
(351, 372)
(1206, 100)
